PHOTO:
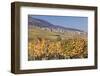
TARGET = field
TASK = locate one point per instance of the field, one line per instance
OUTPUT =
(46, 45)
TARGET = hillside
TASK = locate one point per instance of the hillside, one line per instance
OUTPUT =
(48, 42)
(42, 28)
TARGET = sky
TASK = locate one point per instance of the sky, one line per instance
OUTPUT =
(80, 23)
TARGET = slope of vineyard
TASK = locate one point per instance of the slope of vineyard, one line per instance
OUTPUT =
(47, 41)
(45, 45)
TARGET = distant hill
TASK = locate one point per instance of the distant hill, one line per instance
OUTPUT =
(45, 24)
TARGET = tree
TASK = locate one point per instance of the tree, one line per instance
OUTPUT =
(59, 38)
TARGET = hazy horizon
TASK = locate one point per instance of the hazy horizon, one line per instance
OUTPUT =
(80, 23)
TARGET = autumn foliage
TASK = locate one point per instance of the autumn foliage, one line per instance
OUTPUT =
(44, 49)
